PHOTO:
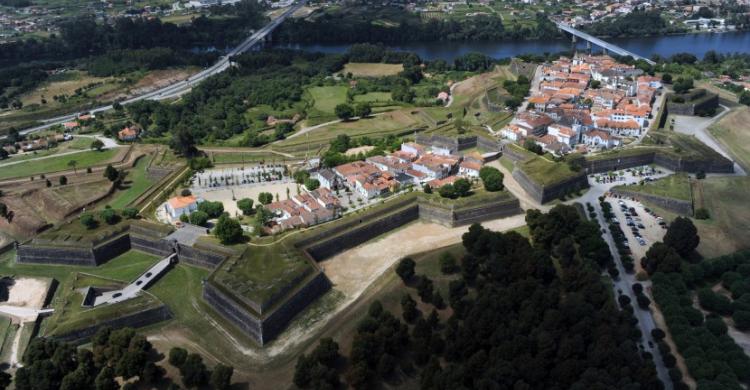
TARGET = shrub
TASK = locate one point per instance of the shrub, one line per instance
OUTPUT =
(177, 356)
(228, 230)
(109, 216)
(405, 269)
(702, 213)
(185, 192)
(130, 213)
(447, 191)
(199, 218)
(89, 221)
(312, 184)
(245, 205)
(447, 263)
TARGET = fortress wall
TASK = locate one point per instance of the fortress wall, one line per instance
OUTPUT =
(277, 321)
(199, 258)
(678, 206)
(29, 254)
(543, 194)
(363, 233)
(228, 308)
(135, 320)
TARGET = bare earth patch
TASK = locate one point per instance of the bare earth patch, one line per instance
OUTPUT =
(361, 149)
(251, 191)
(28, 293)
(372, 69)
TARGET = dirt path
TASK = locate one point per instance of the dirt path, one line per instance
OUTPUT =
(14, 348)
(662, 324)
(226, 149)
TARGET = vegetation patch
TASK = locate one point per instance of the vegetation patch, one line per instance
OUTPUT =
(372, 69)
(546, 172)
(675, 186)
(59, 163)
(325, 99)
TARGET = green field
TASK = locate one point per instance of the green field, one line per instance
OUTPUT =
(60, 163)
(325, 99)
(546, 172)
(134, 185)
(675, 186)
(128, 266)
(373, 97)
(368, 69)
(733, 132)
(78, 143)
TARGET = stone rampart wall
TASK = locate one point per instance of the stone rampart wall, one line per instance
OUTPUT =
(678, 206)
(617, 163)
(199, 258)
(135, 320)
(489, 144)
(112, 248)
(156, 247)
(722, 165)
(228, 308)
(28, 254)
(275, 323)
(513, 154)
(495, 210)
(363, 233)
(544, 194)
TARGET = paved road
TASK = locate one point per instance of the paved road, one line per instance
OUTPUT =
(133, 289)
(181, 87)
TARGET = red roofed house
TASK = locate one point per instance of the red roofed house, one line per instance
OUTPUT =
(128, 134)
(179, 205)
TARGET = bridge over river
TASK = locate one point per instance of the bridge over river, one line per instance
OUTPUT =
(608, 47)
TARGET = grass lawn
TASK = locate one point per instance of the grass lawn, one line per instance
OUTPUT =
(60, 163)
(546, 172)
(373, 97)
(5, 331)
(126, 267)
(372, 69)
(728, 229)
(733, 132)
(327, 98)
(675, 186)
(136, 183)
(78, 143)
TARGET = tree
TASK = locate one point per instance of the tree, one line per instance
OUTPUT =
(344, 111)
(312, 184)
(741, 319)
(177, 356)
(492, 178)
(109, 216)
(3, 154)
(245, 205)
(89, 221)
(72, 164)
(462, 187)
(682, 236)
(228, 230)
(221, 377)
(97, 145)
(106, 380)
(427, 188)
(447, 263)
(63, 180)
(130, 213)
(185, 192)
(447, 191)
(532, 146)
(265, 198)
(183, 143)
(193, 371)
(405, 269)
(3, 210)
(212, 209)
(666, 78)
(362, 110)
(198, 218)
(111, 173)
(596, 84)
(745, 98)
(425, 289)
(702, 213)
(409, 308)
(48, 183)
(661, 258)
(683, 84)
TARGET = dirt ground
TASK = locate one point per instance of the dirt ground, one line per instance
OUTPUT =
(28, 292)
(361, 149)
(372, 69)
(153, 80)
(225, 195)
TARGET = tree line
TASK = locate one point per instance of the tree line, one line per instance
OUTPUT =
(525, 314)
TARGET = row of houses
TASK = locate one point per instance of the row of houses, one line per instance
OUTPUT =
(306, 209)
(587, 100)
(37, 144)
(413, 164)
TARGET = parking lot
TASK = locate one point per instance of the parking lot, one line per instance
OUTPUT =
(642, 227)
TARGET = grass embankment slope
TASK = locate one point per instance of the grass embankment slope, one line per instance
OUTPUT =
(541, 169)
(325, 99)
(59, 163)
(733, 132)
(675, 186)
(136, 182)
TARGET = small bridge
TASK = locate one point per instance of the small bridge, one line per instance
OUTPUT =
(606, 46)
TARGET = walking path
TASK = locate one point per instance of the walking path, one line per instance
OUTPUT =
(108, 144)
(133, 289)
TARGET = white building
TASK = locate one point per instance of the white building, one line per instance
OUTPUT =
(179, 205)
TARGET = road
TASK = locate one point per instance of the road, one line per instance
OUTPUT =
(181, 87)
(599, 42)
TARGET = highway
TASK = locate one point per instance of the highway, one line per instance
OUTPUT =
(601, 43)
(181, 87)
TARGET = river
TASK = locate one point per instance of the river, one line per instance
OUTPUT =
(697, 44)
